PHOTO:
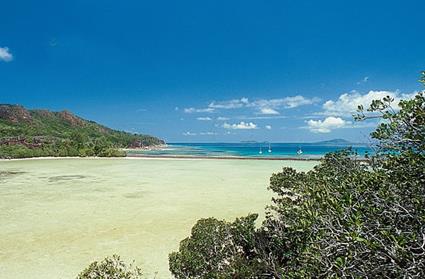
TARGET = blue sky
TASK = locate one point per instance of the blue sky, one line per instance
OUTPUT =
(202, 71)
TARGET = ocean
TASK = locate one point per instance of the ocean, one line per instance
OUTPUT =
(254, 150)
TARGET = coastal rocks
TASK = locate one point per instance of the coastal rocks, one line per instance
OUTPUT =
(14, 113)
(34, 142)
(71, 118)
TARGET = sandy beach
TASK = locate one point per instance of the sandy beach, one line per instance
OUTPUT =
(60, 214)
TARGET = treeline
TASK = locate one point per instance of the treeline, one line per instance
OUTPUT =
(82, 147)
(35, 133)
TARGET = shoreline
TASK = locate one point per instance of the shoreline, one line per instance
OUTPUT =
(177, 157)
(164, 157)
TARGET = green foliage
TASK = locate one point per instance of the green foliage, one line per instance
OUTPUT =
(45, 133)
(344, 219)
(110, 268)
(402, 130)
(216, 249)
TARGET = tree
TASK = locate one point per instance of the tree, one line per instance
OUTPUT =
(216, 249)
(110, 268)
(402, 130)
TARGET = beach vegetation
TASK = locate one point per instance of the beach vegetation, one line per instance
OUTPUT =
(111, 268)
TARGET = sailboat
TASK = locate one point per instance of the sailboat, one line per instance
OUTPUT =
(299, 151)
(270, 148)
(261, 150)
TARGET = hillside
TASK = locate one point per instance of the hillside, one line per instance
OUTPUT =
(31, 133)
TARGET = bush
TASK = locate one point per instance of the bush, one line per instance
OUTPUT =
(216, 248)
(110, 268)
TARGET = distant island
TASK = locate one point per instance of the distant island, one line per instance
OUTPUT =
(336, 142)
(248, 141)
(37, 133)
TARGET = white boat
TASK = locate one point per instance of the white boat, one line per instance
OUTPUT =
(270, 149)
(261, 150)
(299, 151)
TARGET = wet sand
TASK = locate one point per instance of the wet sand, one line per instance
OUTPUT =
(58, 215)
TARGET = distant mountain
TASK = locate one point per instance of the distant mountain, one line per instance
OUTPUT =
(335, 142)
(48, 133)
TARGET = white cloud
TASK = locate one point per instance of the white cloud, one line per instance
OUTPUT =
(231, 104)
(204, 118)
(270, 106)
(240, 126)
(268, 111)
(363, 80)
(193, 110)
(296, 101)
(263, 106)
(325, 126)
(261, 117)
(268, 127)
(221, 118)
(189, 134)
(347, 103)
(5, 54)
(208, 133)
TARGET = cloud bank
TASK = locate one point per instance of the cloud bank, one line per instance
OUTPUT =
(261, 106)
(327, 125)
(346, 104)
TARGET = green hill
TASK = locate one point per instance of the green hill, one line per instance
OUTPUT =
(33, 133)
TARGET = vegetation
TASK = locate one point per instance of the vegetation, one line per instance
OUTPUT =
(216, 248)
(344, 219)
(110, 268)
(34, 133)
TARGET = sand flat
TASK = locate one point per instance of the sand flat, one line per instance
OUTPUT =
(57, 216)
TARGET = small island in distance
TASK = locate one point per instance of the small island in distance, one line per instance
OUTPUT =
(42, 133)
(338, 142)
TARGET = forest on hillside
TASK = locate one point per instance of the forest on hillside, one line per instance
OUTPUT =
(34, 133)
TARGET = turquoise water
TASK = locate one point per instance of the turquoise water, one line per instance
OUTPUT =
(309, 150)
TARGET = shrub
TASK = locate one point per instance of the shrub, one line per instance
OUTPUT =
(110, 268)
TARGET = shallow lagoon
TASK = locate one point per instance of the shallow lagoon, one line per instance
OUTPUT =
(59, 215)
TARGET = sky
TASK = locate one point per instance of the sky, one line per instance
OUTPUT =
(213, 71)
